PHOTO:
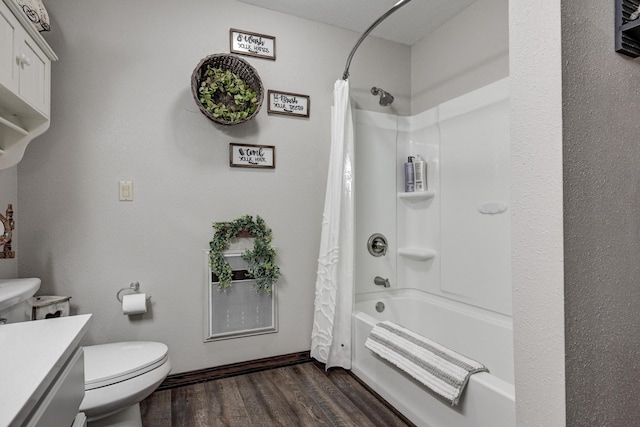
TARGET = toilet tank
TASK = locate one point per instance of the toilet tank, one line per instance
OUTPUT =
(15, 299)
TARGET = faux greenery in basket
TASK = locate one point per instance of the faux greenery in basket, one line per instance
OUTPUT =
(225, 95)
(261, 258)
(227, 89)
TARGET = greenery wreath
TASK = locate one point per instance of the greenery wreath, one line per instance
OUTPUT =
(226, 96)
(261, 259)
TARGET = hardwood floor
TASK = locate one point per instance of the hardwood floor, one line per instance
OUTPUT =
(298, 395)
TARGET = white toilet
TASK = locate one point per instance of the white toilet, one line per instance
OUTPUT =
(118, 376)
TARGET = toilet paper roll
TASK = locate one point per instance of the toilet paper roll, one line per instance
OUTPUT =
(134, 304)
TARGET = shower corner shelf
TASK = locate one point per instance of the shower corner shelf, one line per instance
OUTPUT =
(417, 195)
(417, 254)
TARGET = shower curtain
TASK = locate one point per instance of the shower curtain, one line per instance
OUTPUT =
(331, 335)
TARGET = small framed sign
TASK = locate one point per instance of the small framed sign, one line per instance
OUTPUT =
(252, 156)
(252, 44)
(290, 104)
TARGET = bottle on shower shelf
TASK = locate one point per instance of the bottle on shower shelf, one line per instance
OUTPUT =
(420, 174)
(409, 172)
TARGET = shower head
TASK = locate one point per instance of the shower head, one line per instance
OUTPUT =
(385, 97)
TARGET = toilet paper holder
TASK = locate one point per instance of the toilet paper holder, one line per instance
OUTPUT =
(134, 287)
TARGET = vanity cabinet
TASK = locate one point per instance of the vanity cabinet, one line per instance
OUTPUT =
(42, 371)
(25, 83)
(59, 406)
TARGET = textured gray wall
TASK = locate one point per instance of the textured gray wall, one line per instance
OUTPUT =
(602, 219)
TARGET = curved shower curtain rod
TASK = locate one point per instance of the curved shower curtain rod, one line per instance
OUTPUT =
(395, 7)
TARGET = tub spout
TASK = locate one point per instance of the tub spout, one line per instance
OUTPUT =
(381, 281)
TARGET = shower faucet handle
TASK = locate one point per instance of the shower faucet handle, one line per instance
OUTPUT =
(377, 245)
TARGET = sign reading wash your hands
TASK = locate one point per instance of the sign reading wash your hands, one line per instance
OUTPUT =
(252, 156)
(252, 44)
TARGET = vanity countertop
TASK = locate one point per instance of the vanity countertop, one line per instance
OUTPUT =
(32, 355)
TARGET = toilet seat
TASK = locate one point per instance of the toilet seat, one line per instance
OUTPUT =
(107, 364)
(118, 377)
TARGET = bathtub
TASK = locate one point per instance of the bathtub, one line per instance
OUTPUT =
(489, 398)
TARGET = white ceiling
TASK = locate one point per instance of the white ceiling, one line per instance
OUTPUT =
(407, 25)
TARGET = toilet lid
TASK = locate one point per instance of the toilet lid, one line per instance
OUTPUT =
(107, 364)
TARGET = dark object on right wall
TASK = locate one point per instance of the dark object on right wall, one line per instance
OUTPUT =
(627, 29)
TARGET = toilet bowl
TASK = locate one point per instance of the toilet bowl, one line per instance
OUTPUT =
(118, 376)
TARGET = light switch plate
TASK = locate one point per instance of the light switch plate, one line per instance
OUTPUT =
(126, 190)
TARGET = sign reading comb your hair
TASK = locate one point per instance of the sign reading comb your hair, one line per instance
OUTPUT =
(252, 156)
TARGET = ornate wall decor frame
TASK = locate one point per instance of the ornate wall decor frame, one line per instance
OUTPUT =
(7, 235)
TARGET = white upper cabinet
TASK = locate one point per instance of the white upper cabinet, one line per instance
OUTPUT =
(7, 44)
(25, 83)
(34, 70)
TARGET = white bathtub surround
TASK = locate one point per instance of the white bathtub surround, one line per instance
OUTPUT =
(331, 334)
(443, 370)
(449, 252)
(453, 240)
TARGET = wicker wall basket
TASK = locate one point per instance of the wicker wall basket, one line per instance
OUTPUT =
(243, 70)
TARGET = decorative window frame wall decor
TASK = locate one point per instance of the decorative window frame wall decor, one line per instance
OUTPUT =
(252, 44)
(238, 311)
(252, 156)
(288, 104)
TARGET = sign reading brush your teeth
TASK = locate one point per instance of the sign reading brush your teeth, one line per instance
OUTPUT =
(290, 104)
